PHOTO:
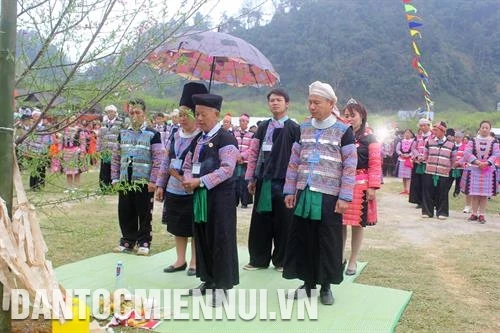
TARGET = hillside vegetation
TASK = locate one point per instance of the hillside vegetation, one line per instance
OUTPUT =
(363, 49)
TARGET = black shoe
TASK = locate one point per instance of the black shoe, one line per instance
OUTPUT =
(201, 289)
(299, 292)
(217, 297)
(172, 268)
(326, 296)
(191, 271)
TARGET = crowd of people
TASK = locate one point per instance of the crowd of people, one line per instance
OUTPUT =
(308, 183)
(438, 156)
(70, 150)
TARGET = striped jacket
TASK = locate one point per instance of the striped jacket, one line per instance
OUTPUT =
(244, 138)
(108, 137)
(335, 172)
(137, 156)
(439, 157)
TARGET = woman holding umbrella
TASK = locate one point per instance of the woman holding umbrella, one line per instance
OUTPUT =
(178, 206)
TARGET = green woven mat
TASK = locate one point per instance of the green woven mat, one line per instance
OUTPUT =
(357, 308)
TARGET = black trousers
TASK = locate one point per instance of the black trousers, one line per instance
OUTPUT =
(267, 237)
(435, 196)
(457, 181)
(315, 248)
(415, 187)
(216, 247)
(105, 175)
(37, 176)
(242, 194)
(135, 216)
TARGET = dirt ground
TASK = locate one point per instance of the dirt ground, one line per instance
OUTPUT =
(396, 214)
(400, 219)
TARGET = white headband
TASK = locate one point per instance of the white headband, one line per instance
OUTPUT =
(322, 89)
(110, 108)
(424, 121)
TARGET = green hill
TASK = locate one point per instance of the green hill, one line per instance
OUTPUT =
(363, 49)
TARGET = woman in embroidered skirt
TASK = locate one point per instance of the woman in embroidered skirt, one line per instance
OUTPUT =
(178, 206)
(405, 164)
(362, 211)
(73, 147)
(479, 178)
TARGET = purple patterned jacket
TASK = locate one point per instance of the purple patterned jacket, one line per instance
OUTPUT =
(335, 171)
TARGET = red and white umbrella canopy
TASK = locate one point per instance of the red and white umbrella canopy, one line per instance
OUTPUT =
(235, 61)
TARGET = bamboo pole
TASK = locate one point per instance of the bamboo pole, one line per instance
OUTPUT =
(8, 25)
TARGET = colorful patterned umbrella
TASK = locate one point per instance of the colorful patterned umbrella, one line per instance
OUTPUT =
(215, 57)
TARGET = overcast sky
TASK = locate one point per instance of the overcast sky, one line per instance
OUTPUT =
(215, 8)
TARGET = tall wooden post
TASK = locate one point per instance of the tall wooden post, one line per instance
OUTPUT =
(8, 23)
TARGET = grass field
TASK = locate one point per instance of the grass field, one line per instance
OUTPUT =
(454, 278)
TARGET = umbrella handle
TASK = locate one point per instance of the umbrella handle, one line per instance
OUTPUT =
(212, 69)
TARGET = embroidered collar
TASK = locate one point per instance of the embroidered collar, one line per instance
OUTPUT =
(281, 120)
(214, 130)
(325, 123)
(142, 128)
(185, 135)
(441, 141)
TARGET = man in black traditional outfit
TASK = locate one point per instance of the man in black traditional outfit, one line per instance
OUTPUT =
(208, 171)
(319, 185)
(268, 157)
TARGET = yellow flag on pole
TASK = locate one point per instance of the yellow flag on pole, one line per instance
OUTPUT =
(425, 87)
(415, 48)
(415, 32)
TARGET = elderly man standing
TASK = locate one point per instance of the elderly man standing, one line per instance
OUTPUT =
(244, 137)
(417, 154)
(267, 162)
(319, 185)
(107, 138)
(208, 173)
(439, 157)
(135, 164)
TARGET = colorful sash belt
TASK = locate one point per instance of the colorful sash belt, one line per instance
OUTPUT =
(420, 169)
(265, 198)
(309, 205)
(200, 205)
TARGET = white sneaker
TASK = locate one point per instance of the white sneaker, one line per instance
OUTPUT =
(120, 249)
(249, 267)
(143, 251)
(425, 216)
(467, 209)
(442, 217)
